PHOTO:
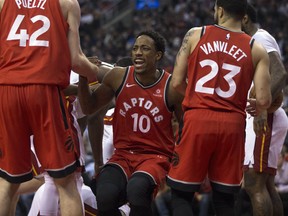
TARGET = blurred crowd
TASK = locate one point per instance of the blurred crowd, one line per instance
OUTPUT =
(172, 20)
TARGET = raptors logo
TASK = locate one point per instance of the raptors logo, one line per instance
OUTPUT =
(69, 144)
(175, 159)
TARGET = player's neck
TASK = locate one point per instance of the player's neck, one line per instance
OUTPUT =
(231, 25)
(148, 78)
(254, 28)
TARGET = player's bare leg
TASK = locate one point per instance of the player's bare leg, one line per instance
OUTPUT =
(255, 186)
(7, 193)
(70, 200)
(15, 200)
(275, 198)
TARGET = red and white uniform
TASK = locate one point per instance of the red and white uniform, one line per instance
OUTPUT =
(34, 47)
(220, 72)
(142, 126)
(46, 198)
(262, 153)
(35, 67)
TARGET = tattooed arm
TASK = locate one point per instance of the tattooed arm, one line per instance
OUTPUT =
(180, 67)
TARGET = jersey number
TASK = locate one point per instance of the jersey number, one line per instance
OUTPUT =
(233, 71)
(22, 35)
(138, 123)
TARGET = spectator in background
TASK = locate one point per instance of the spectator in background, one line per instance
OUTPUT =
(174, 22)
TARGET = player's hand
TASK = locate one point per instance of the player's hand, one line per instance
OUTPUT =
(260, 124)
(95, 60)
(251, 107)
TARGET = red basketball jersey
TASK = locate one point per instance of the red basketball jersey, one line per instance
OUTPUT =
(34, 47)
(142, 118)
(220, 71)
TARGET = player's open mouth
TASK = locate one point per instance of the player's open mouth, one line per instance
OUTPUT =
(138, 63)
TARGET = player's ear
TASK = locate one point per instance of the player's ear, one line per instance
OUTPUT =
(159, 55)
(220, 12)
(245, 19)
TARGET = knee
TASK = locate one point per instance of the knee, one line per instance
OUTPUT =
(63, 182)
(107, 195)
(220, 198)
(140, 190)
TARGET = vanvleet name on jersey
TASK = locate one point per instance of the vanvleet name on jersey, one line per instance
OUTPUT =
(225, 47)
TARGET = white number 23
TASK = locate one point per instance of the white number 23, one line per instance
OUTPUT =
(233, 71)
(22, 35)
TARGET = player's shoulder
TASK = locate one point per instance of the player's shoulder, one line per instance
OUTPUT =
(118, 71)
(263, 35)
(67, 5)
(194, 31)
(115, 76)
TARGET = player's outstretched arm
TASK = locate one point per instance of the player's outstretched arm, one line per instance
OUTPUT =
(92, 101)
(80, 63)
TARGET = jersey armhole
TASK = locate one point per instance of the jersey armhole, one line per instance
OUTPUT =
(123, 81)
(202, 31)
(170, 108)
(252, 42)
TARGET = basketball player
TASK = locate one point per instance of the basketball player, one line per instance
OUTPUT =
(214, 69)
(262, 151)
(142, 127)
(39, 47)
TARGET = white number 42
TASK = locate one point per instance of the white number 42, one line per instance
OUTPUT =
(22, 34)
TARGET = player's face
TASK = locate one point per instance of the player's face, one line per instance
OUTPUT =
(244, 24)
(144, 54)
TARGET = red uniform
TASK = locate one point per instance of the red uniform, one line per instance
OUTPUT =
(34, 47)
(220, 72)
(142, 126)
(35, 67)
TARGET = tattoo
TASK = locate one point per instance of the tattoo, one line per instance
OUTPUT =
(184, 45)
(278, 74)
(185, 42)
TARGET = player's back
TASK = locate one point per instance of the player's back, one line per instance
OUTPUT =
(34, 47)
(220, 71)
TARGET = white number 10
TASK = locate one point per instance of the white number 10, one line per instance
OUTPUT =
(23, 37)
(139, 123)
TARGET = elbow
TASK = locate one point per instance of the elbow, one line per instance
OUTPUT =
(264, 103)
(76, 66)
(176, 84)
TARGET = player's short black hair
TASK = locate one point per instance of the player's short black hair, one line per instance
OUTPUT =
(235, 8)
(252, 13)
(124, 61)
(159, 40)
